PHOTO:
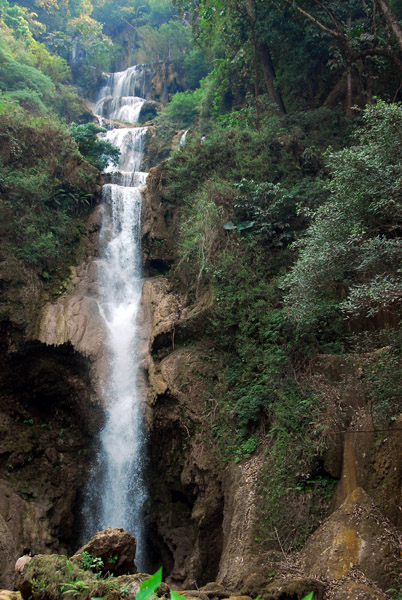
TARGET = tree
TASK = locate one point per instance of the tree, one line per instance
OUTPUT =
(350, 259)
(237, 26)
(391, 19)
(169, 42)
(358, 31)
(96, 151)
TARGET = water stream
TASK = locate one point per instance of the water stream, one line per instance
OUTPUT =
(117, 491)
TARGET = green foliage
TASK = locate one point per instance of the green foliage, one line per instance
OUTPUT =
(149, 586)
(57, 576)
(350, 258)
(201, 232)
(97, 151)
(87, 33)
(15, 75)
(45, 190)
(383, 375)
(196, 67)
(91, 563)
(182, 108)
(246, 448)
(75, 588)
(35, 78)
(169, 42)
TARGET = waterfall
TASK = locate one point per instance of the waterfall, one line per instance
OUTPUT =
(116, 491)
(182, 140)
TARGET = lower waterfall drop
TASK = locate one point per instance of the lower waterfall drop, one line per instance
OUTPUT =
(116, 492)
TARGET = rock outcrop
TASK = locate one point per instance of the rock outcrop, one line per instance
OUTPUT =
(355, 535)
(49, 412)
(8, 556)
(115, 547)
(74, 316)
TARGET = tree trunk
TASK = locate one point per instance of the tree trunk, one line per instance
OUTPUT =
(269, 77)
(391, 20)
(265, 60)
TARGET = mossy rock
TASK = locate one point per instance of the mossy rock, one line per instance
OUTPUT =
(49, 577)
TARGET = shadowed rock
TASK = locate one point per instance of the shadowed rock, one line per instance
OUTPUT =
(7, 556)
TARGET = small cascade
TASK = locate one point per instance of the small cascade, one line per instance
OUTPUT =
(117, 491)
(182, 140)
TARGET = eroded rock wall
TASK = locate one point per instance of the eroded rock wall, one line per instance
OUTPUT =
(49, 413)
(203, 512)
(46, 426)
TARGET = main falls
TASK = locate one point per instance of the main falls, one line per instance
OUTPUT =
(116, 492)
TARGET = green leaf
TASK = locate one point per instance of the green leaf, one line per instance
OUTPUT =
(148, 586)
(176, 596)
(309, 596)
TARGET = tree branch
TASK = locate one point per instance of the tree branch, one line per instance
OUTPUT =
(313, 19)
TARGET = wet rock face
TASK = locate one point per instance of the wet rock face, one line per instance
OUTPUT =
(167, 79)
(45, 442)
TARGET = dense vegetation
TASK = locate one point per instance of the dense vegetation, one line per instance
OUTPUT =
(291, 222)
(46, 186)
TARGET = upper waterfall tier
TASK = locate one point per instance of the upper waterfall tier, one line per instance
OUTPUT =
(124, 93)
(124, 108)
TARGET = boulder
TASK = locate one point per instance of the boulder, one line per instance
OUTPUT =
(51, 576)
(356, 535)
(115, 547)
(149, 110)
(44, 576)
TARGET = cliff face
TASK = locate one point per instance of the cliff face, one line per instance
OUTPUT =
(49, 412)
(206, 512)
(45, 442)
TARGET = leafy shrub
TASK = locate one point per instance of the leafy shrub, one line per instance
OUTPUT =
(384, 382)
(350, 258)
(91, 563)
(44, 187)
(183, 108)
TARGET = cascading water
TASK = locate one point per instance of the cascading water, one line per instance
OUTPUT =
(116, 492)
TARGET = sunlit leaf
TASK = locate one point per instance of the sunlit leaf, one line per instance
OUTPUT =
(148, 586)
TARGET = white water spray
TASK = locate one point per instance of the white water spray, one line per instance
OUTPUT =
(117, 491)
